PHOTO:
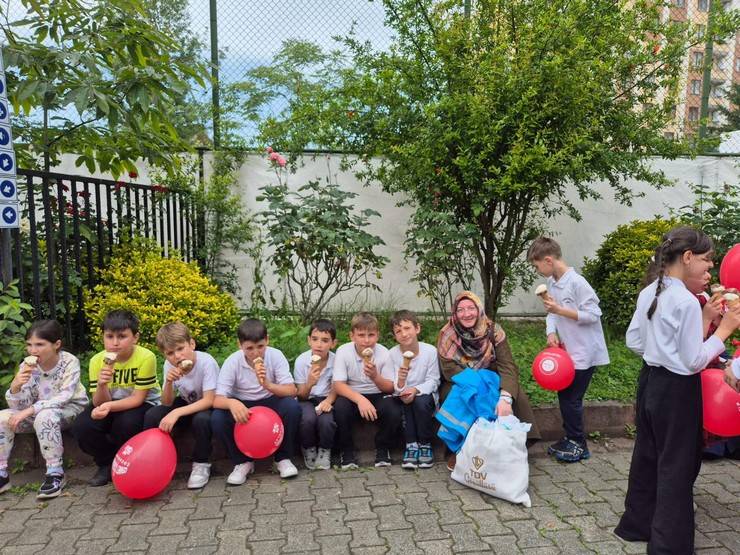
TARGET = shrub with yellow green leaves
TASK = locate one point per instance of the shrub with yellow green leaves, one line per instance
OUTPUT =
(617, 271)
(162, 290)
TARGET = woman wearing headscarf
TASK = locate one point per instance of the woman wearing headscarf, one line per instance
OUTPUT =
(471, 340)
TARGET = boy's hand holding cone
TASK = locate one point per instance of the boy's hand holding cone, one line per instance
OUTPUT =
(106, 373)
(368, 364)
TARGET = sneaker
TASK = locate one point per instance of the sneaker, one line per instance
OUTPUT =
(323, 459)
(101, 478)
(309, 457)
(4, 483)
(557, 447)
(199, 475)
(52, 486)
(382, 458)
(574, 452)
(410, 456)
(286, 468)
(348, 461)
(426, 455)
(239, 475)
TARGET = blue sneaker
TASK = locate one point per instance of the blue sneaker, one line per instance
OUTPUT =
(411, 456)
(574, 451)
(426, 455)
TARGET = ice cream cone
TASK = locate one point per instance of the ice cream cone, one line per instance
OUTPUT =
(185, 365)
(315, 360)
(109, 358)
(717, 291)
(541, 292)
(31, 360)
(367, 355)
(732, 299)
(259, 364)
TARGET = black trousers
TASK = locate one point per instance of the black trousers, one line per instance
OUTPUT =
(316, 430)
(102, 439)
(346, 414)
(665, 462)
(570, 400)
(222, 424)
(199, 423)
(418, 419)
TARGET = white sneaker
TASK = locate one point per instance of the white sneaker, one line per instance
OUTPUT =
(239, 475)
(323, 459)
(199, 475)
(286, 468)
(309, 457)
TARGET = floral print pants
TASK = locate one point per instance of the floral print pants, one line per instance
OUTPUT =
(48, 425)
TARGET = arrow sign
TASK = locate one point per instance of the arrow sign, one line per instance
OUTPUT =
(7, 163)
(5, 139)
(4, 111)
(8, 189)
(9, 215)
(2, 86)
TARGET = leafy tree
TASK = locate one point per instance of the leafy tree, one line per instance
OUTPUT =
(320, 247)
(97, 79)
(498, 118)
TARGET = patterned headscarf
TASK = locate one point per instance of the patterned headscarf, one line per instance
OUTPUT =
(470, 347)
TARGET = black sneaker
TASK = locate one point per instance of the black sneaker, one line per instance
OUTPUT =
(4, 483)
(348, 461)
(101, 478)
(52, 486)
(557, 447)
(574, 452)
(382, 457)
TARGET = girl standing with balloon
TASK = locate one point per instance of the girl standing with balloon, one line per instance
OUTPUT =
(666, 330)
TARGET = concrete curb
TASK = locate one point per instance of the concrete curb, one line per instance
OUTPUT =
(609, 418)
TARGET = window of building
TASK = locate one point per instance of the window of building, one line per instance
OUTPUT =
(703, 5)
(697, 59)
(700, 30)
(694, 114)
(737, 64)
(679, 3)
(695, 86)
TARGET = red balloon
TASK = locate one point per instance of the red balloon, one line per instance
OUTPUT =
(729, 270)
(553, 369)
(721, 404)
(144, 466)
(261, 435)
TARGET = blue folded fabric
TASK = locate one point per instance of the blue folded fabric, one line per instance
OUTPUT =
(474, 394)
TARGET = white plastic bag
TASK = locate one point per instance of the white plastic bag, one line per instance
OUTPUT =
(493, 459)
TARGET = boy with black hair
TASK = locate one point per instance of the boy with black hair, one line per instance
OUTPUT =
(123, 384)
(255, 375)
(416, 387)
(363, 379)
(312, 375)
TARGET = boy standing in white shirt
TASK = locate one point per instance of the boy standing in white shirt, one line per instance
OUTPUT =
(573, 320)
(416, 386)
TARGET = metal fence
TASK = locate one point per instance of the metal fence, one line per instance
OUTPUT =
(70, 227)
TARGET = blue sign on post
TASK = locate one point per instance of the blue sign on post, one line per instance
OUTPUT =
(4, 112)
(7, 162)
(9, 214)
(5, 140)
(8, 189)
(9, 207)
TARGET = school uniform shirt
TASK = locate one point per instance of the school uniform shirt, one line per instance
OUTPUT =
(203, 376)
(238, 380)
(423, 370)
(348, 368)
(138, 372)
(322, 388)
(56, 388)
(583, 338)
(673, 337)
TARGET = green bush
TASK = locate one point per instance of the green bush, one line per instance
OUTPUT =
(15, 319)
(617, 271)
(161, 290)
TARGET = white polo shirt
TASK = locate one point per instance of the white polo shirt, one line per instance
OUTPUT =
(423, 370)
(348, 368)
(238, 380)
(583, 338)
(322, 387)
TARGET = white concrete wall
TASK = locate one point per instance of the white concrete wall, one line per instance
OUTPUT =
(578, 239)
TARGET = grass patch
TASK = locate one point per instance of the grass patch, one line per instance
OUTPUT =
(617, 381)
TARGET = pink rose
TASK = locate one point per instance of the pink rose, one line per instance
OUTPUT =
(274, 156)
(281, 161)
(269, 150)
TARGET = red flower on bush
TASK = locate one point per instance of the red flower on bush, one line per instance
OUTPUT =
(133, 175)
(83, 194)
(119, 185)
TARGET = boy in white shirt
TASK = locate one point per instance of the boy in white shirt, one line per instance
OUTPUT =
(416, 387)
(245, 382)
(363, 380)
(312, 375)
(187, 395)
(573, 319)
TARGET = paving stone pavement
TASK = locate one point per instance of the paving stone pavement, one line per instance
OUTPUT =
(389, 510)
